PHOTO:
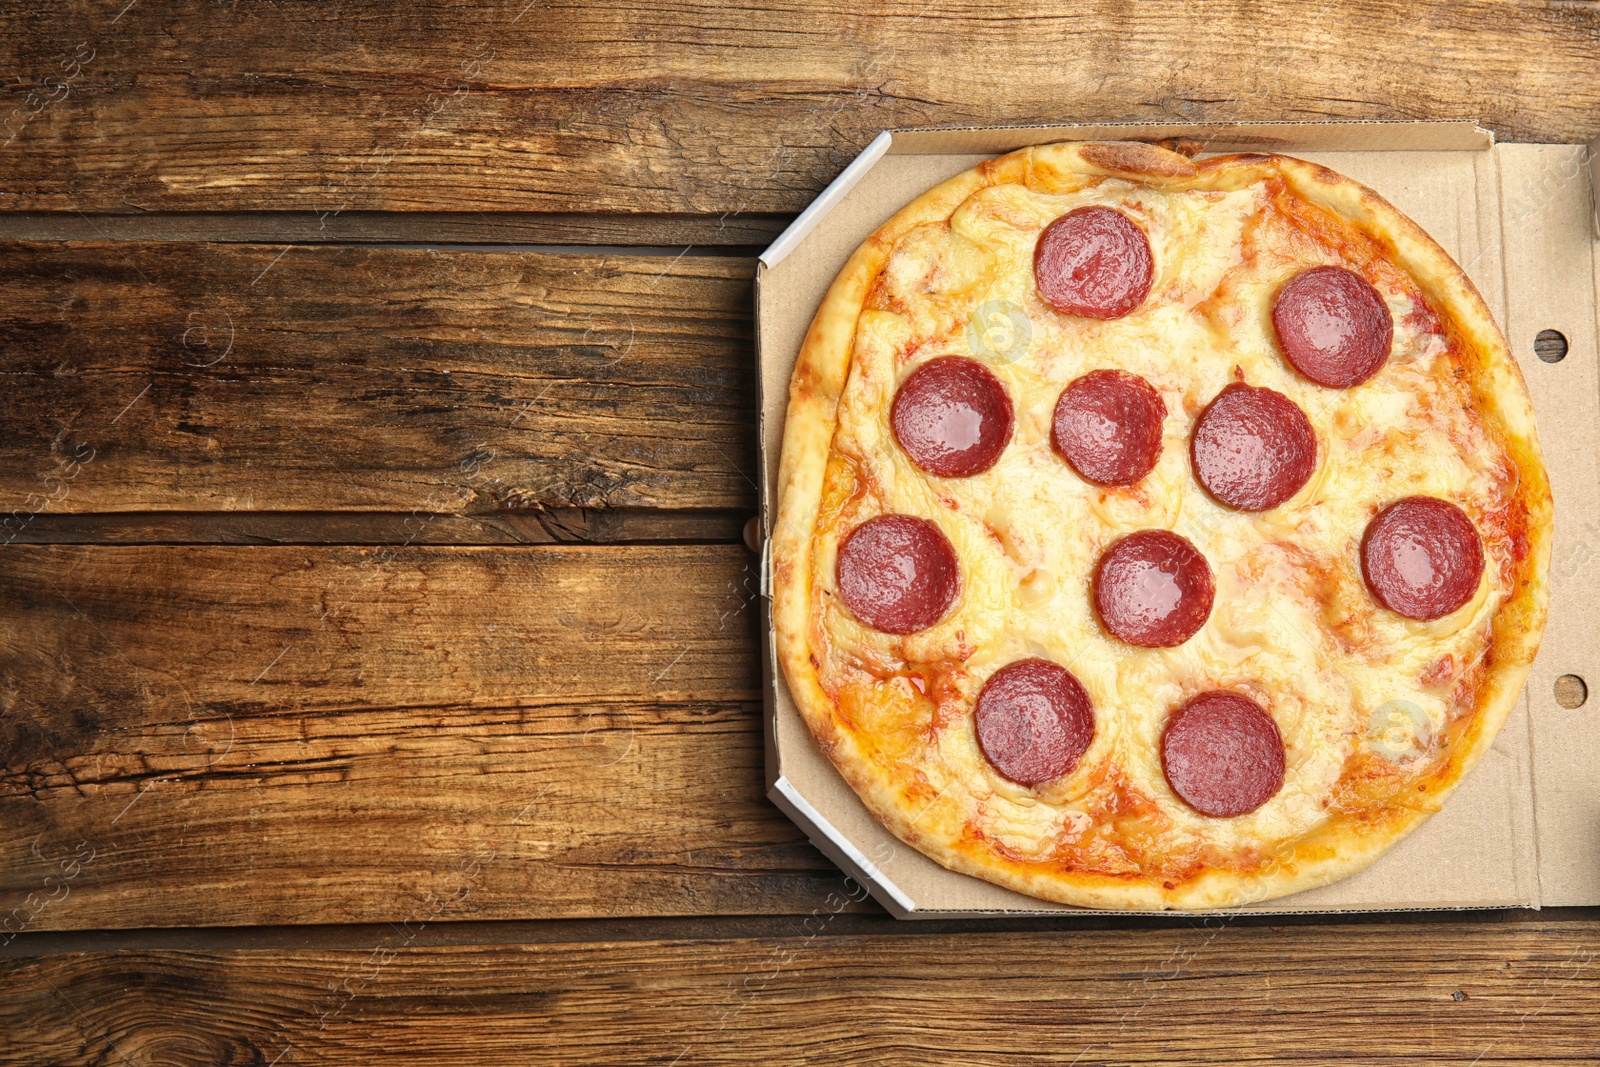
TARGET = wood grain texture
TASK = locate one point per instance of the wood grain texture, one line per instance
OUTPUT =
(702, 107)
(190, 377)
(237, 735)
(597, 526)
(284, 731)
(1462, 994)
(747, 234)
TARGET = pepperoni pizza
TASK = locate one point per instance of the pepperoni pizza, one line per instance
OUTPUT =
(1204, 585)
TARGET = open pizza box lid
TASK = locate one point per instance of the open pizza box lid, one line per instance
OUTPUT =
(1523, 829)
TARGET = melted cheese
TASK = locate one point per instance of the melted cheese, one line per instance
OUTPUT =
(1293, 624)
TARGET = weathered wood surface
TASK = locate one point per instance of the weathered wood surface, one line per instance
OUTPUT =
(188, 377)
(281, 731)
(561, 106)
(1464, 994)
(597, 526)
(746, 233)
(238, 735)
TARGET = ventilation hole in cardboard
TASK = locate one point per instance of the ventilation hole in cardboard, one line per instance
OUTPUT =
(1571, 691)
(1550, 346)
(752, 534)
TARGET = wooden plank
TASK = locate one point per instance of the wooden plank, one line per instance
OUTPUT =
(617, 106)
(227, 735)
(849, 922)
(599, 526)
(747, 234)
(199, 377)
(1460, 994)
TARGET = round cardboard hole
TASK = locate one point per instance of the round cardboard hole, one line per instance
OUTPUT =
(1550, 346)
(1571, 691)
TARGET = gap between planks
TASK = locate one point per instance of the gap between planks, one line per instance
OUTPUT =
(337, 937)
(604, 233)
(600, 526)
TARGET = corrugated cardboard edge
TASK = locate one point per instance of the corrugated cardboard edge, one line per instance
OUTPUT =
(838, 848)
(1452, 134)
(854, 863)
(825, 201)
(1593, 151)
(1549, 198)
(1462, 135)
(1434, 136)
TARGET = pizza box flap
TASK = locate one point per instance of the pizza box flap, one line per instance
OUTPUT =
(1523, 829)
(1550, 254)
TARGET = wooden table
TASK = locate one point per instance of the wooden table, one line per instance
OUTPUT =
(378, 668)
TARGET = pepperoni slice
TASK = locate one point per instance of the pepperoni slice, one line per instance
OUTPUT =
(1108, 427)
(898, 573)
(1253, 448)
(1153, 589)
(1095, 262)
(1034, 721)
(1222, 753)
(1422, 557)
(952, 417)
(1333, 326)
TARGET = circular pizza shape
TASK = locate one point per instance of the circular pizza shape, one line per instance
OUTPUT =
(1119, 616)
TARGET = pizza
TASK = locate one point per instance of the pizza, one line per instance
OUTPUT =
(1156, 532)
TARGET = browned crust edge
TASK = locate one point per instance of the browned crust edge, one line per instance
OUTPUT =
(1339, 847)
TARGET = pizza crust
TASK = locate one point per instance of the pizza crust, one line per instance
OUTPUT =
(1340, 846)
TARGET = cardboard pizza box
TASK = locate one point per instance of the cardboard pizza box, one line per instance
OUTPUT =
(1523, 829)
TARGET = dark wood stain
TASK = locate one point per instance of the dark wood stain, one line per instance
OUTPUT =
(375, 456)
